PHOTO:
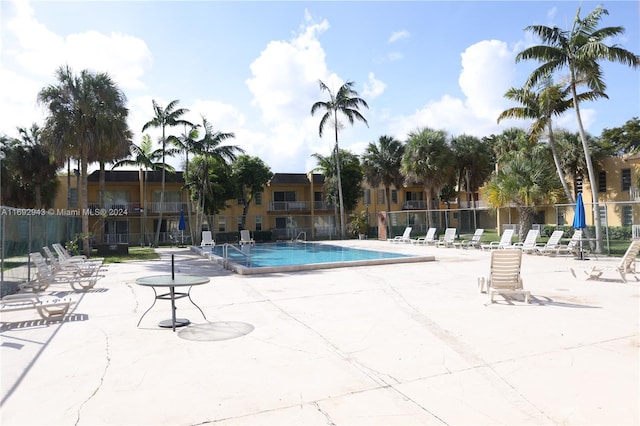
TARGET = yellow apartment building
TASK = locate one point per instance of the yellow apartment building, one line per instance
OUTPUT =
(293, 205)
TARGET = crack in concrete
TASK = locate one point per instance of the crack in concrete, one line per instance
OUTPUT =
(324, 413)
(101, 381)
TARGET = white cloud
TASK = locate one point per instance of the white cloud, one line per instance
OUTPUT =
(394, 56)
(373, 88)
(486, 74)
(284, 85)
(398, 35)
(32, 53)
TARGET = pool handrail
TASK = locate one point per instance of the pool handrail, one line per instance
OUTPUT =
(298, 236)
(225, 253)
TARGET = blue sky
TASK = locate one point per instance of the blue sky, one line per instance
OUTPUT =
(252, 68)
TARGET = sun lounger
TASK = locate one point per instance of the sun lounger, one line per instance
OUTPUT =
(46, 275)
(504, 274)
(207, 239)
(505, 241)
(626, 266)
(48, 307)
(81, 268)
(245, 238)
(64, 255)
(551, 247)
(529, 243)
(404, 238)
(430, 238)
(448, 238)
(473, 242)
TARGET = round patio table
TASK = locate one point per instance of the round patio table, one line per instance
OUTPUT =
(171, 282)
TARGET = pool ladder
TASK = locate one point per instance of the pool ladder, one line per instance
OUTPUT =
(303, 234)
(225, 253)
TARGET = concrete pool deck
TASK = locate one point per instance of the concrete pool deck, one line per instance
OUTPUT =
(403, 344)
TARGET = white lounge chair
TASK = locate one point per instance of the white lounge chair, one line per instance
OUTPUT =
(448, 238)
(245, 238)
(505, 241)
(64, 255)
(404, 238)
(473, 242)
(47, 276)
(504, 274)
(48, 307)
(430, 238)
(81, 268)
(207, 239)
(529, 243)
(573, 247)
(626, 266)
(551, 246)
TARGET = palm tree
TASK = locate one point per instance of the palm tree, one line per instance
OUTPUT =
(83, 109)
(429, 159)
(164, 117)
(579, 50)
(187, 142)
(381, 163)
(146, 158)
(211, 146)
(347, 102)
(474, 165)
(541, 106)
(526, 179)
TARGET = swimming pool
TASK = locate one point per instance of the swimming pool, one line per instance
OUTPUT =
(300, 256)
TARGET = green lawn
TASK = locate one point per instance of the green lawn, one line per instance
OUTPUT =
(135, 253)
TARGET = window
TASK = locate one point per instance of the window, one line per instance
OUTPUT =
(258, 223)
(116, 199)
(380, 195)
(626, 179)
(366, 196)
(627, 215)
(240, 222)
(239, 200)
(602, 182)
(603, 215)
(394, 196)
(284, 196)
(560, 217)
(222, 224)
(172, 201)
(257, 199)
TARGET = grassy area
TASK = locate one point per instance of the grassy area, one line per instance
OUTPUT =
(135, 253)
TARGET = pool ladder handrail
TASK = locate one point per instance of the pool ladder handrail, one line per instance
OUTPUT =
(299, 234)
(225, 254)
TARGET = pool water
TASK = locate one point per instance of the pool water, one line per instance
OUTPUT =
(300, 256)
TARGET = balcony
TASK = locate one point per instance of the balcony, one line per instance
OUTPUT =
(634, 193)
(125, 209)
(414, 205)
(289, 206)
(323, 205)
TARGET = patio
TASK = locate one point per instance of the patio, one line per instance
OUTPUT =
(398, 344)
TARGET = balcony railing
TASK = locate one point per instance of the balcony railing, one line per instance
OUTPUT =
(289, 206)
(119, 209)
(414, 205)
(634, 193)
(323, 205)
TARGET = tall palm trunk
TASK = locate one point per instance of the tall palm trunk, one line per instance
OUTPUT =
(592, 175)
(556, 160)
(340, 198)
(157, 239)
(82, 199)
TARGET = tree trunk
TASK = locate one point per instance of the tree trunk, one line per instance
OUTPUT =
(526, 219)
(82, 199)
(556, 160)
(157, 239)
(592, 176)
